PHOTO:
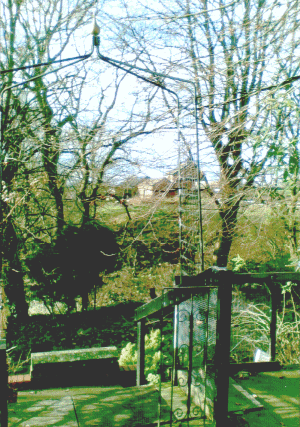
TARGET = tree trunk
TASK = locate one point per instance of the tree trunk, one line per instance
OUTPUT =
(228, 220)
(13, 273)
(84, 300)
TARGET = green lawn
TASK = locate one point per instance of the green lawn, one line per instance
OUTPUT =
(138, 406)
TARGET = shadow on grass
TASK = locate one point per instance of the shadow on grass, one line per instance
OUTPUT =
(279, 392)
(118, 407)
(94, 406)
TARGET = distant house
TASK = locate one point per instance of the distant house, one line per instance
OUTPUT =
(129, 187)
(150, 187)
(145, 187)
(165, 186)
(188, 176)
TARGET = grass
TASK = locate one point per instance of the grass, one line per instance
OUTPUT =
(97, 406)
(279, 393)
(251, 330)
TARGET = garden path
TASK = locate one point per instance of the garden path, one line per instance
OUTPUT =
(85, 406)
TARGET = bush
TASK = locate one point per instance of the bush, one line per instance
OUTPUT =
(251, 330)
(128, 355)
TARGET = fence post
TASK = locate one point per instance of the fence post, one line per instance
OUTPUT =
(175, 347)
(222, 355)
(275, 298)
(140, 369)
(3, 384)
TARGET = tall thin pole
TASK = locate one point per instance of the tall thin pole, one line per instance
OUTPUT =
(199, 172)
(130, 69)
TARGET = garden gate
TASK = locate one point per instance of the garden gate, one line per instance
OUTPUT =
(212, 326)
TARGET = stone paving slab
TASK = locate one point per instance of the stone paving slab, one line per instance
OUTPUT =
(118, 407)
(97, 406)
(87, 406)
(43, 412)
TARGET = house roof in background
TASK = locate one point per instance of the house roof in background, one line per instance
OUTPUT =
(186, 168)
(133, 181)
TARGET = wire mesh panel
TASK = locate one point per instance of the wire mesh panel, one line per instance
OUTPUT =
(166, 369)
(189, 218)
(190, 389)
(229, 313)
(251, 321)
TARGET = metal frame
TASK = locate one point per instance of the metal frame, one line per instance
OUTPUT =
(223, 280)
(165, 305)
(159, 82)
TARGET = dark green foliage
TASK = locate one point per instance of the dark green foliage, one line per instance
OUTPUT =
(158, 241)
(278, 264)
(109, 326)
(73, 264)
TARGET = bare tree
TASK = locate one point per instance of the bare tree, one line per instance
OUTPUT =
(63, 129)
(236, 53)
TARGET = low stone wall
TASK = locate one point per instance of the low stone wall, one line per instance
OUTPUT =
(94, 353)
(93, 366)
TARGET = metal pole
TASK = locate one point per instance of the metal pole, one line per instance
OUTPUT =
(3, 384)
(121, 65)
(222, 351)
(190, 366)
(275, 295)
(140, 369)
(199, 180)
